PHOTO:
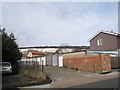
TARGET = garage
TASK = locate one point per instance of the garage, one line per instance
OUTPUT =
(54, 60)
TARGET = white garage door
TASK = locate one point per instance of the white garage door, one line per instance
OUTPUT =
(60, 61)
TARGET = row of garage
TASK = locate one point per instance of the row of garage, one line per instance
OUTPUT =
(49, 60)
(82, 60)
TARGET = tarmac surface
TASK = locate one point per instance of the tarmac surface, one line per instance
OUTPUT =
(68, 78)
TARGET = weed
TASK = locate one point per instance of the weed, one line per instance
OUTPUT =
(72, 68)
(65, 66)
(76, 69)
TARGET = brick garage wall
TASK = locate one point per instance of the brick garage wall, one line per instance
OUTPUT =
(96, 63)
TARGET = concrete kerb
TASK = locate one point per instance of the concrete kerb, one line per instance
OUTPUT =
(106, 72)
(38, 86)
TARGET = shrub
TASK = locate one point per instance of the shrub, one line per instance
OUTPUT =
(33, 74)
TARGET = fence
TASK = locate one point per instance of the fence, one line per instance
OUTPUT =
(115, 62)
(40, 62)
(31, 63)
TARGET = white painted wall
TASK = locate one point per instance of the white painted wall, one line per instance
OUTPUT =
(44, 60)
(38, 60)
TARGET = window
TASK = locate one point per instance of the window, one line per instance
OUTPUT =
(100, 42)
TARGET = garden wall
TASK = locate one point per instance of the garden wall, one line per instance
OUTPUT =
(96, 63)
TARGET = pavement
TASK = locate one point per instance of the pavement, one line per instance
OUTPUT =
(68, 78)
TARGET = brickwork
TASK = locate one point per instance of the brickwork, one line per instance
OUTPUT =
(106, 64)
(97, 63)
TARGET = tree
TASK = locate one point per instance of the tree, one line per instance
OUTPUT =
(10, 52)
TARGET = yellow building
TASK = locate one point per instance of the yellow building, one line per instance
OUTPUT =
(32, 53)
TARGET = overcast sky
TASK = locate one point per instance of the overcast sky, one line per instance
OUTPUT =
(56, 23)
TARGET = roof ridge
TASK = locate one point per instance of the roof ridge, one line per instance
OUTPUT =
(109, 32)
(103, 31)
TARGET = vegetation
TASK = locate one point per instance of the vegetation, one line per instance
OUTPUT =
(65, 66)
(10, 52)
(76, 69)
(33, 75)
(72, 68)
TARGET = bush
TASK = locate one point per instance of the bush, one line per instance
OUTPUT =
(33, 74)
(15, 68)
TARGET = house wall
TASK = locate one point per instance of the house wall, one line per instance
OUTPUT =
(96, 63)
(109, 42)
(29, 54)
(119, 42)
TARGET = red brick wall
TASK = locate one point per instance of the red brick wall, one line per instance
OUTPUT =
(106, 63)
(98, 62)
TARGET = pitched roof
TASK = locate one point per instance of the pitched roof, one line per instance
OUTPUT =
(36, 52)
(103, 31)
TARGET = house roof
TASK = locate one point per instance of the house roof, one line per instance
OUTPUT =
(103, 31)
(36, 52)
(24, 55)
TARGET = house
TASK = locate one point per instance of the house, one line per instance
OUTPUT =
(105, 40)
(32, 53)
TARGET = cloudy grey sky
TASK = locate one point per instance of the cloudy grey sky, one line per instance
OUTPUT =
(56, 23)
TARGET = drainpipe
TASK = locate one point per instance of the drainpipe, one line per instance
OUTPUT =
(118, 45)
